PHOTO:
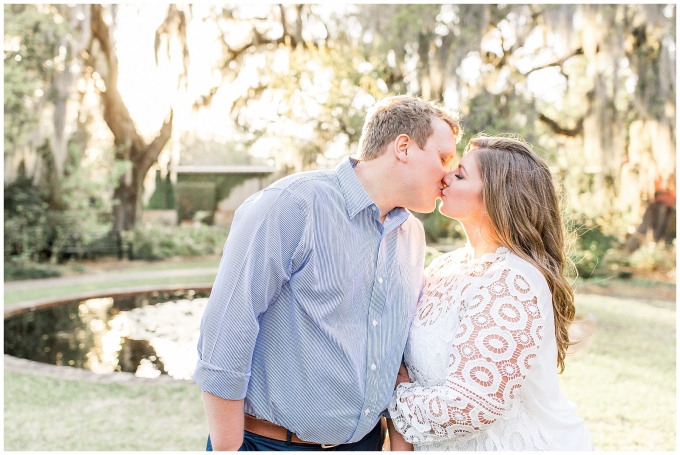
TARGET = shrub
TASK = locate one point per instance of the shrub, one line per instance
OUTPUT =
(652, 257)
(439, 228)
(34, 232)
(431, 254)
(27, 231)
(160, 242)
(590, 246)
(15, 271)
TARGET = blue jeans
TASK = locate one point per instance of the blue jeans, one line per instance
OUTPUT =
(373, 441)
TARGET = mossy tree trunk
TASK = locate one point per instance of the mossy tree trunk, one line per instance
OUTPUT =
(129, 144)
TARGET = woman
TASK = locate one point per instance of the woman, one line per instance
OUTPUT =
(490, 330)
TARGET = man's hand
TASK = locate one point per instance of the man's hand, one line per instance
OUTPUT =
(397, 442)
(402, 376)
(225, 421)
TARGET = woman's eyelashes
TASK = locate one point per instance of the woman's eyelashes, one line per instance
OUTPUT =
(458, 176)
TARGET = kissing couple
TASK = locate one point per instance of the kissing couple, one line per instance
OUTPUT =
(323, 331)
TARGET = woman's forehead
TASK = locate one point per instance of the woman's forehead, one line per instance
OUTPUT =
(468, 158)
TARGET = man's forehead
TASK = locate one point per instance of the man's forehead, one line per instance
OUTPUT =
(442, 132)
(447, 149)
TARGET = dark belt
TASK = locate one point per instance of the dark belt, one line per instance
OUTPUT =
(270, 430)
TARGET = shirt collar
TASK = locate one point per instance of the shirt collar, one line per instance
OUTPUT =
(356, 197)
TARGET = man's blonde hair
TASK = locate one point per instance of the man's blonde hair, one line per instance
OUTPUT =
(402, 114)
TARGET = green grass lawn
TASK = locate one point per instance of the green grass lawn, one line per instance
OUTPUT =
(21, 295)
(624, 382)
(170, 264)
(43, 413)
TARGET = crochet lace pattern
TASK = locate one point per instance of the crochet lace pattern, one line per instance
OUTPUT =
(476, 332)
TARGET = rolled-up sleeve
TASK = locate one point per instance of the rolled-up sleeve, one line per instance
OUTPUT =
(259, 256)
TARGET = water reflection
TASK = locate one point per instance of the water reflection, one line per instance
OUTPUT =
(147, 334)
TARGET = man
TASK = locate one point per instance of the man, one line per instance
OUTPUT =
(307, 321)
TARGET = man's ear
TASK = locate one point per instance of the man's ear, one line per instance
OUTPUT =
(401, 144)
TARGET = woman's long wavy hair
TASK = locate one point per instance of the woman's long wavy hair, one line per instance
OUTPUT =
(524, 210)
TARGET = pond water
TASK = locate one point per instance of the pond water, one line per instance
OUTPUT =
(147, 334)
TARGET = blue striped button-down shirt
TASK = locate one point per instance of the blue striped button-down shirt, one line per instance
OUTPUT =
(310, 310)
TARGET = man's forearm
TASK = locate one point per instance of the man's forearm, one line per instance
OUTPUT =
(225, 421)
(397, 442)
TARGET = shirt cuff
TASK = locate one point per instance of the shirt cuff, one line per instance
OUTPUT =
(226, 384)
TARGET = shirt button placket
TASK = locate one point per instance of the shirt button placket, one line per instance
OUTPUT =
(373, 348)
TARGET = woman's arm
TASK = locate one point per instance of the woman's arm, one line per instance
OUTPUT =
(491, 354)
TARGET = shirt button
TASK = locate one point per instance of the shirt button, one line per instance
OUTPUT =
(367, 411)
(380, 280)
(373, 367)
(374, 208)
(375, 322)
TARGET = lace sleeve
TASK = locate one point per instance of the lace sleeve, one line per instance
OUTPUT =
(492, 352)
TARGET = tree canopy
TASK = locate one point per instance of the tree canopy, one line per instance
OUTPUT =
(591, 86)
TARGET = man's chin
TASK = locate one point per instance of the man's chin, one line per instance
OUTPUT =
(424, 208)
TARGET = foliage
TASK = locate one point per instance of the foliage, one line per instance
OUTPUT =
(29, 271)
(31, 56)
(25, 218)
(591, 84)
(501, 114)
(160, 242)
(591, 246)
(652, 257)
(60, 189)
(211, 152)
(34, 231)
(163, 197)
(597, 248)
(321, 97)
(431, 254)
(198, 192)
(439, 228)
(543, 72)
(87, 187)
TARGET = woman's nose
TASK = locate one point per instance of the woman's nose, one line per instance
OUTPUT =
(447, 178)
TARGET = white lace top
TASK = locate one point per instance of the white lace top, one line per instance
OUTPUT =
(482, 356)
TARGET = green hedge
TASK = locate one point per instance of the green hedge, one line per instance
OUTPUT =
(28, 271)
(160, 242)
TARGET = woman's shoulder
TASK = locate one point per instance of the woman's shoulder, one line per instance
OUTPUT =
(527, 271)
(446, 259)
